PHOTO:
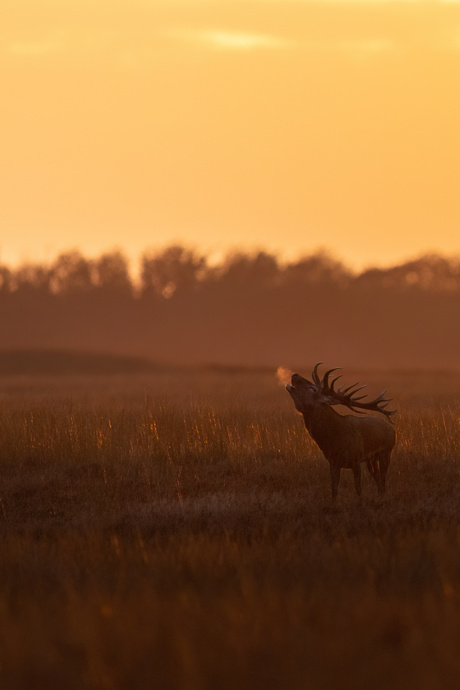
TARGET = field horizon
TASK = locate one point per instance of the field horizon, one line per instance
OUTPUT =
(56, 361)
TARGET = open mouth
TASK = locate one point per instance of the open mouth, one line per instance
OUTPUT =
(290, 386)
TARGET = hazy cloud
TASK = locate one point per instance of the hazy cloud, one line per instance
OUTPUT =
(34, 48)
(367, 46)
(231, 40)
(241, 41)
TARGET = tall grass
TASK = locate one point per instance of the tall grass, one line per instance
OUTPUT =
(177, 532)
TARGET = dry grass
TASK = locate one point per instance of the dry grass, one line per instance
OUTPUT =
(177, 532)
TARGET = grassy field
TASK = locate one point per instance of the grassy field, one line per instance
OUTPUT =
(176, 531)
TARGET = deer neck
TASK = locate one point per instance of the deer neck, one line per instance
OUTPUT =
(321, 423)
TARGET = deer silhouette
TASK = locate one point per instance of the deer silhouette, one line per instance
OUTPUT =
(345, 440)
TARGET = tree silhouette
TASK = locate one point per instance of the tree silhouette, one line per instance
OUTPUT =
(248, 309)
(171, 270)
(111, 273)
(72, 273)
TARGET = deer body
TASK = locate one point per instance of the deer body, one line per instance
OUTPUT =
(345, 440)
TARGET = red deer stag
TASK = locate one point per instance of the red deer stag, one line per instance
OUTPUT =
(345, 440)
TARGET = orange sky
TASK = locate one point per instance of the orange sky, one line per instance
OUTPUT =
(285, 124)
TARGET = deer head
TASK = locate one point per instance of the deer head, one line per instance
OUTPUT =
(307, 394)
(304, 393)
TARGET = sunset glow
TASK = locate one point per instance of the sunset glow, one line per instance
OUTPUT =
(290, 125)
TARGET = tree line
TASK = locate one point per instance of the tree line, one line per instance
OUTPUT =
(251, 309)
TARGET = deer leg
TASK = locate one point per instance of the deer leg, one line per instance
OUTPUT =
(335, 478)
(371, 467)
(375, 472)
(357, 478)
(384, 461)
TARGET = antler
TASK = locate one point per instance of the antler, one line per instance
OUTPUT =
(347, 396)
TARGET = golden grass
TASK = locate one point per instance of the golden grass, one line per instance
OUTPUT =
(177, 532)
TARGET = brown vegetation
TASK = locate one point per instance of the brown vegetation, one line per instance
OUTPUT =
(172, 532)
(184, 310)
